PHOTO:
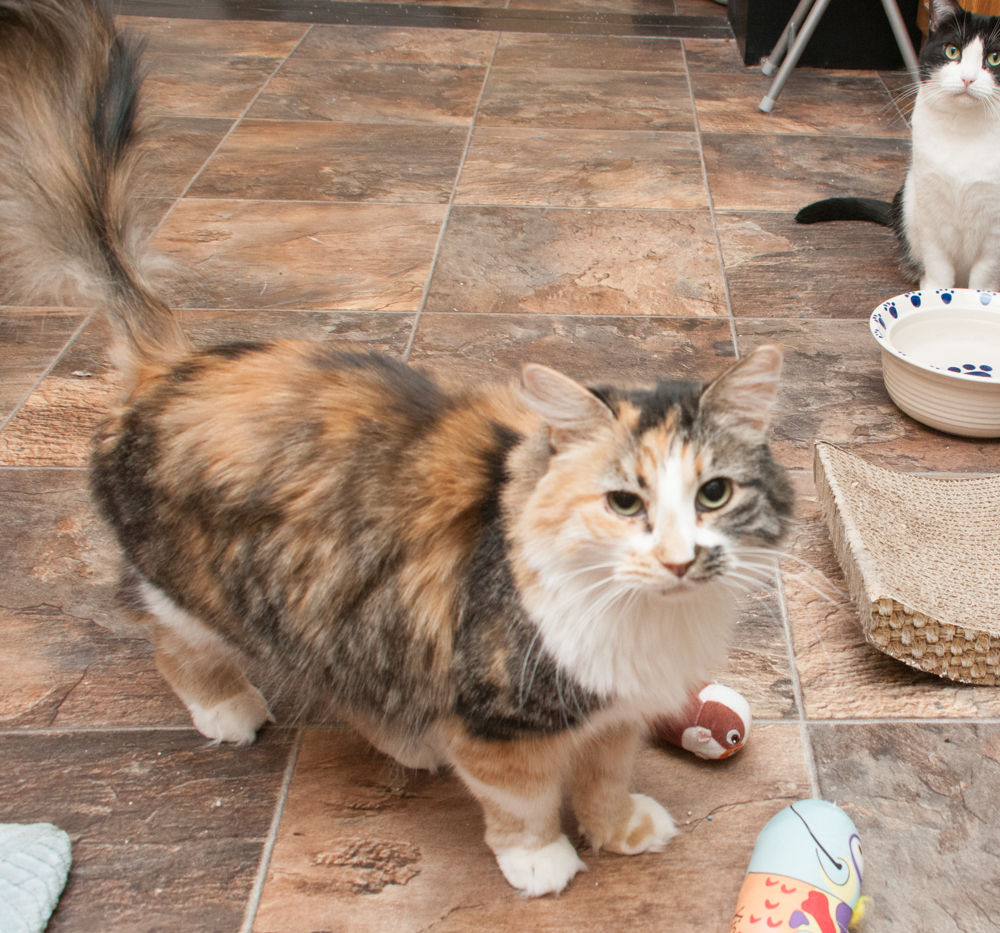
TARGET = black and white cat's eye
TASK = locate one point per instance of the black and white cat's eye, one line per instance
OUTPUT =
(953, 52)
(714, 494)
(993, 59)
(625, 503)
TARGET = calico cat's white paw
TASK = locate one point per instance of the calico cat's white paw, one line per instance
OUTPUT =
(649, 828)
(541, 871)
(234, 720)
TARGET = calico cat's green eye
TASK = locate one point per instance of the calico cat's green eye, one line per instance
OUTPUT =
(993, 59)
(714, 494)
(952, 52)
(625, 503)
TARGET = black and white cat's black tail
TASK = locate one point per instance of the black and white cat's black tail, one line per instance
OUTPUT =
(71, 227)
(870, 209)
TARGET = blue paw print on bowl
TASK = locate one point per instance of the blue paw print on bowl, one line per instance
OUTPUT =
(946, 295)
(970, 369)
(985, 297)
(914, 298)
(881, 321)
(890, 306)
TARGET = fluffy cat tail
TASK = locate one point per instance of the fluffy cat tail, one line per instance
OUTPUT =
(70, 225)
(876, 212)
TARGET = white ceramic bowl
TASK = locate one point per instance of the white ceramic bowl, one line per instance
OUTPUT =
(941, 358)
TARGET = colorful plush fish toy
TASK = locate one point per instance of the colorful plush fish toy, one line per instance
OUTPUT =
(805, 873)
(714, 724)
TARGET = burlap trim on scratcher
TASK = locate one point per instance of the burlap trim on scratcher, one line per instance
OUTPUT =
(922, 560)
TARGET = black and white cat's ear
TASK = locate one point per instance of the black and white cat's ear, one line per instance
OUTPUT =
(744, 394)
(941, 10)
(568, 408)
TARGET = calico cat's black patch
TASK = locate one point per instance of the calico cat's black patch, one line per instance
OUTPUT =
(527, 694)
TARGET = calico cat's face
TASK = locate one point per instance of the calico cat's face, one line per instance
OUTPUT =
(635, 542)
(656, 488)
(960, 61)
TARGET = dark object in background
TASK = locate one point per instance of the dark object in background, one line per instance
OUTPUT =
(852, 33)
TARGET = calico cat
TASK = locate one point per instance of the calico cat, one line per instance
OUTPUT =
(505, 579)
(947, 214)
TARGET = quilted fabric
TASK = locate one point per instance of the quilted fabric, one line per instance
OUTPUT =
(34, 865)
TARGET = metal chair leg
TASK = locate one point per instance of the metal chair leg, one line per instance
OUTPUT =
(902, 38)
(770, 64)
(800, 38)
(794, 53)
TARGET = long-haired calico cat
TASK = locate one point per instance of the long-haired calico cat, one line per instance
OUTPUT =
(947, 214)
(504, 579)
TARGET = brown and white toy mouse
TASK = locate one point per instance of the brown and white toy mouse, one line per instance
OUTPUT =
(714, 724)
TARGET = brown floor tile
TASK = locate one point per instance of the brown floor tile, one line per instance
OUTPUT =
(304, 161)
(844, 677)
(586, 99)
(758, 665)
(178, 148)
(56, 423)
(700, 8)
(582, 168)
(214, 37)
(196, 85)
(73, 656)
(613, 53)
(924, 800)
(435, 870)
(720, 56)
(505, 259)
(852, 105)
(778, 268)
(371, 92)
(301, 255)
(832, 390)
(591, 349)
(30, 340)
(167, 831)
(655, 7)
(395, 44)
(784, 173)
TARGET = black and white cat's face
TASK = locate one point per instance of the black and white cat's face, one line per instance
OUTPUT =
(960, 61)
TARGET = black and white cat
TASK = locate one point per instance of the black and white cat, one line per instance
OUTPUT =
(947, 214)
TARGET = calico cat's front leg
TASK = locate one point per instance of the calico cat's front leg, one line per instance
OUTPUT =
(610, 816)
(520, 785)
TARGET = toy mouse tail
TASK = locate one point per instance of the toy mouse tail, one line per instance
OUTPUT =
(858, 915)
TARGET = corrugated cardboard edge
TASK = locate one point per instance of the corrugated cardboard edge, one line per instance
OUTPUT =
(864, 582)
(967, 655)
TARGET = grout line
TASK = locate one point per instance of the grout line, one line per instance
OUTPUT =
(230, 131)
(48, 369)
(330, 727)
(253, 902)
(451, 201)
(807, 749)
(711, 206)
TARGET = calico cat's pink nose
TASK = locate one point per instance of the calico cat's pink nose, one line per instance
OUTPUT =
(678, 570)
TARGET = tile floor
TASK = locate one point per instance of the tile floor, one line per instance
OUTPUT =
(469, 200)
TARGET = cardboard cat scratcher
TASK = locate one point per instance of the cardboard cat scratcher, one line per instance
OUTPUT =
(922, 559)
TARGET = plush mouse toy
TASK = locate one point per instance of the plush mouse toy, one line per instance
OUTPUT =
(714, 724)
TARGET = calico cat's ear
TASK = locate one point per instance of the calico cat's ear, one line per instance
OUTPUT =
(940, 10)
(568, 408)
(744, 394)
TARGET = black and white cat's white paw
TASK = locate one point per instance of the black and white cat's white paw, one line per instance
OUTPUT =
(235, 719)
(540, 871)
(649, 828)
